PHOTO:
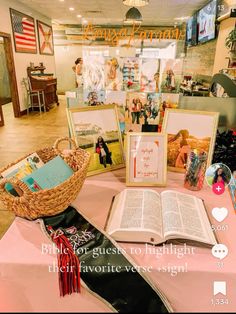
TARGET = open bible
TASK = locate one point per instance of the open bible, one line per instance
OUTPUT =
(143, 215)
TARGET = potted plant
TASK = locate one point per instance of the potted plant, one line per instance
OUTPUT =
(230, 43)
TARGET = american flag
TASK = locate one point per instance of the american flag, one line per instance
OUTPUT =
(24, 32)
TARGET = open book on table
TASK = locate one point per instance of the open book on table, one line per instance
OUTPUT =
(143, 215)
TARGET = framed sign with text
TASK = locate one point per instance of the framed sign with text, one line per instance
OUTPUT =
(146, 159)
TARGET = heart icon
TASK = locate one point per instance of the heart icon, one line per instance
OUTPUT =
(219, 213)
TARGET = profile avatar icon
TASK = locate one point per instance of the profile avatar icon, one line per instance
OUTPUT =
(218, 176)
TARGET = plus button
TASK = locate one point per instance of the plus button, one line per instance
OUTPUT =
(218, 188)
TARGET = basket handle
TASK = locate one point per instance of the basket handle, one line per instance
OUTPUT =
(18, 185)
(64, 139)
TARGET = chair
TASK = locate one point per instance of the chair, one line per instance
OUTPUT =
(35, 97)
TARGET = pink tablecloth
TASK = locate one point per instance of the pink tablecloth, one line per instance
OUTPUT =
(27, 285)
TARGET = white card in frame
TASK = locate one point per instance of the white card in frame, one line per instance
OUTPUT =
(146, 159)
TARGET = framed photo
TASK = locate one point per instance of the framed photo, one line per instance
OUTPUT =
(113, 74)
(96, 129)
(45, 37)
(142, 109)
(150, 75)
(168, 100)
(23, 31)
(131, 74)
(94, 98)
(93, 73)
(171, 75)
(146, 159)
(189, 130)
(118, 98)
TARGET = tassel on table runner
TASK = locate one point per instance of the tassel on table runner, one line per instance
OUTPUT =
(69, 279)
(110, 275)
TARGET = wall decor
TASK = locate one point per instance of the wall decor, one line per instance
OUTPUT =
(168, 100)
(45, 38)
(93, 73)
(171, 75)
(142, 109)
(23, 30)
(113, 74)
(150, 74)
(94, 98)
(131, 74)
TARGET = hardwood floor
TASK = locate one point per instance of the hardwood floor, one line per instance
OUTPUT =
(20, 136)
(23, 135)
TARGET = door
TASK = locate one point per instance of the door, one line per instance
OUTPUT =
(1, 116)
(5, 91)
(9, 89)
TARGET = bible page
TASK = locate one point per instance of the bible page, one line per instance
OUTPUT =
(136, 210)
(184, 216)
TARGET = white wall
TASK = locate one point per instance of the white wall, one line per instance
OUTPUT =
(22, 60)
(65, 57)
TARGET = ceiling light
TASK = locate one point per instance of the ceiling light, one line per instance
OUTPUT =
(182, 18)
(78, 15)
(84, 22)
(71, 9)
(61, 0)
(136, 3)
(133, 16)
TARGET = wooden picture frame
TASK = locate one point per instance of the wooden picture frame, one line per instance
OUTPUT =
(188, 130)
(146, 163)
(45, 38)
(23, 30)
(86, 125)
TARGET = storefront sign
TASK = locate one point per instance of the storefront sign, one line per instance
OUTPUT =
(136, 32)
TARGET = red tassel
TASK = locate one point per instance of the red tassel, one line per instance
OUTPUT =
(69, 278)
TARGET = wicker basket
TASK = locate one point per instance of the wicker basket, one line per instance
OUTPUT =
(48, 202)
